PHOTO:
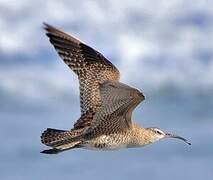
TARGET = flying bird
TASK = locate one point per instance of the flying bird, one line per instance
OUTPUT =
(106, 104)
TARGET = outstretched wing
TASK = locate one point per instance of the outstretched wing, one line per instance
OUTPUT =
(118, 103)
(91, 66)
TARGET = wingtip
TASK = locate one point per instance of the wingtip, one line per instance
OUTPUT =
(52, 30)
(45, 24)
(47, 27)
(50, 151)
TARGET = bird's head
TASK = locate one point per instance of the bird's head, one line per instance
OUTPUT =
(157, 134)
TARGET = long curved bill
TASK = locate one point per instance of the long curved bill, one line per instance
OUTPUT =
(168, 135)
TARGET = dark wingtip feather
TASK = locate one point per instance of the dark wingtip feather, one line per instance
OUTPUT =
(47, 27)
(50, 30)
(51, 151)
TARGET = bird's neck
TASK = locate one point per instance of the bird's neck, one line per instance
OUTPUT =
(140, 136)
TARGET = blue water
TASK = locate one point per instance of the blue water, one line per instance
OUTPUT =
(188, 115)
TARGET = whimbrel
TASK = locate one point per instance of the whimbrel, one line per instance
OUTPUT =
(106, 104)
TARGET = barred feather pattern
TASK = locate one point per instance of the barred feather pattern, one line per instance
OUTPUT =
(114, 116)
(106, 104)
(55, 137)
(84, 121)
(91, 66)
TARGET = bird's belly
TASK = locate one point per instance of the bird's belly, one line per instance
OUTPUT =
(106, 143)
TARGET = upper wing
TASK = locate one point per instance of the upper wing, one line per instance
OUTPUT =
(91, 66)
(118, 103)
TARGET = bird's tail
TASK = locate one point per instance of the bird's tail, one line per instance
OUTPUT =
(59, 140)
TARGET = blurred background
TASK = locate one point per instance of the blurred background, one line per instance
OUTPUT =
(164, 48)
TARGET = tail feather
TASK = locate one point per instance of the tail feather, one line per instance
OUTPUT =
(60, 140)
(50, 136)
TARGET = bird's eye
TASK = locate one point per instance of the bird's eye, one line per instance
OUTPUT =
(158, 132)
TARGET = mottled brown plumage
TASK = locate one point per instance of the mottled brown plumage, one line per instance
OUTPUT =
(106, 104)
(91, 66)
